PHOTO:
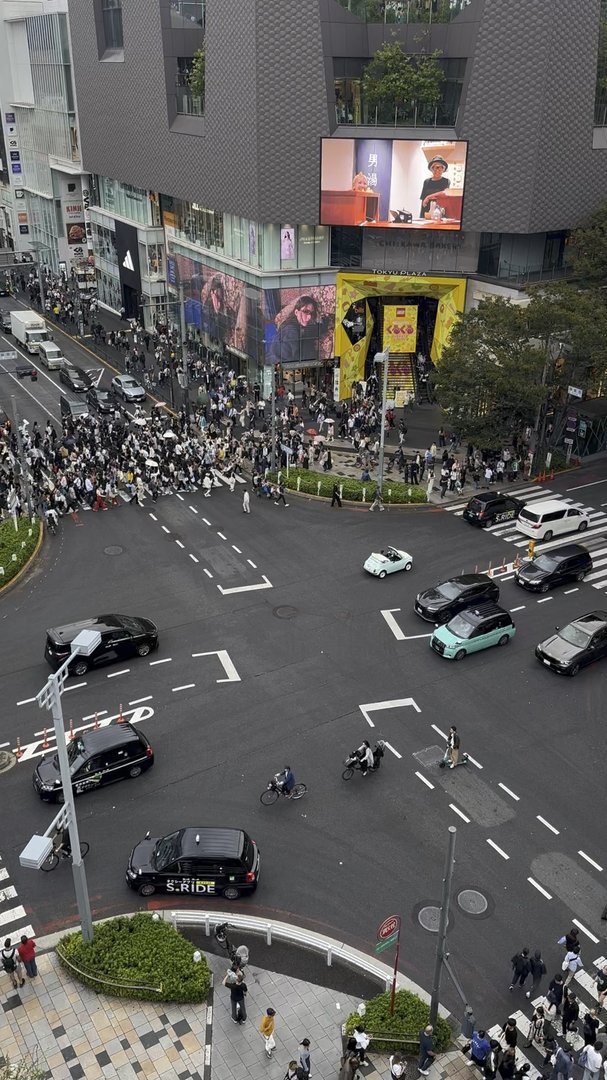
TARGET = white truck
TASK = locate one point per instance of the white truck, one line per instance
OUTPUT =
(29, 329)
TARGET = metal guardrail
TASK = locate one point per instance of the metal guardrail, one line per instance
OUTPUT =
(334, 950)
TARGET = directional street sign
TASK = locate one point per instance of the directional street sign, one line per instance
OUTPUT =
(389, 927)
(381, 945)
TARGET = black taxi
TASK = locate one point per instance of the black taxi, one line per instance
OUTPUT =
(96, 757)
(197, 862)
(491, 508)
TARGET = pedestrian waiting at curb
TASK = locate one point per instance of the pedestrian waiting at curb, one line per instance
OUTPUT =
(478, 1047)
(27, 954)
(427, 1053)
(266, 1028)
(491, 1062)
(336, 498)
(510, 1033)
(358, 1043)
(12, 964)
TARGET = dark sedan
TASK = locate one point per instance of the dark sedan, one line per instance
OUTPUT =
(122, 636)
(568, 563)
(576, 645)
(74, 378)
(441, 603)
(100, 400)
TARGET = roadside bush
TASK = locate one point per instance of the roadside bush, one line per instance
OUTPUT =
(20, 542)
(410, 1016)
(137, 957)
(394, 490)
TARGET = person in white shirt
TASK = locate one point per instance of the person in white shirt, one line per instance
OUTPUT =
(593, 1059)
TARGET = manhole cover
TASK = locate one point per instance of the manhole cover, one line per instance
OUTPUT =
(472, 902)
(7, 760)
(285, 612)
(429, 918)
(113, 549)
(430, 756)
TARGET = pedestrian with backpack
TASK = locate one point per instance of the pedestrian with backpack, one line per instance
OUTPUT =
(12, 964)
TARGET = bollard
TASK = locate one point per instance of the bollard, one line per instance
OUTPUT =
(341, 491)
(389, 494)
(489, 571)
(120, 719)
(298, 482)
(18, 751)
(318, 487)
(22, 544)
(14, 557)
(2, 570)
(71, 729)
(29, 532)
(44, 743)
(364, 494)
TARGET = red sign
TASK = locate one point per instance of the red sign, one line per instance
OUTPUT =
(390, 926)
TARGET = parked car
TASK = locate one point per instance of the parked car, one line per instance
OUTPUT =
(389, 561)
(121, 636)
(126, 387)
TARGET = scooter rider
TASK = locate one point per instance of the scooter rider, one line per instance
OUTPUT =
(365, 755)
(453, 747)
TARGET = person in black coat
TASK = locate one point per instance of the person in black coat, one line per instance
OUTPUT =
(571, 1012)
(521, 966)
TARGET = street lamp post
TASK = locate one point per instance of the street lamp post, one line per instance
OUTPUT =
(50, 698)
(441, 954)
(382, 358)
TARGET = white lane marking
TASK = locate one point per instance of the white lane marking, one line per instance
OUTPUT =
(26, 701)
(193, 557)
(221, 535)
(586, 931)
(91, 716)
(164, 529)
(395, 752)
(545, 600)
(424, 781)
(224, 659)
(474, 761)
(114, 674)
(509, 792)
(179, 544)
(207, 522)
(237, 550)
(568, 591)
(251, 563)
(498, 849)
(3, 874)
(9, 893)
(188, 686)
(3, 744)
(521, 608)
(165, 660)
(396, 703)
(438, 731)
(591, 861)
(153, 517)
(208, 572)
(12, 915)
(507, 577)
(138, 700)
(76, 686)
(247, 588)
(539, 888)
(580, 486)
(193, 509)
(392, 623)
(548, 825)
(456, 811)
(180, 496)
(36, 749)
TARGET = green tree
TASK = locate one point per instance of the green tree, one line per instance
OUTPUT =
(397, 79)
(587, 249)
(197, 74)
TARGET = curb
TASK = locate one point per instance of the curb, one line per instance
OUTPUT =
(14, 580)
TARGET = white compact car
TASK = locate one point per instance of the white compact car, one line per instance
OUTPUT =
(389, 561)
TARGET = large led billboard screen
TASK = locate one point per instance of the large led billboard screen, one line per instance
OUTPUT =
(392, 183)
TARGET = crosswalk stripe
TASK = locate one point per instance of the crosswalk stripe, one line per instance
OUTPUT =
(570, 538)
(599, 573)
(15, 935)
(9, 893)
(11, 915)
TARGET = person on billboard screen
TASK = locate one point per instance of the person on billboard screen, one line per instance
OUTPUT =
(433, 185)
(217, 320)
(298, 332)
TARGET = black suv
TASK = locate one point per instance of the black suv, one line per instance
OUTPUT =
(491, 507)
(121, 636)
(116, 752)
(205, 862)
(581, 642)
(74, 378)
(441, 603)
(568, 563)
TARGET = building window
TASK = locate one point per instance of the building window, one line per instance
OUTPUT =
(187, 13)
(351, 108)
(112, 23)
(188, 103)
(600, 102)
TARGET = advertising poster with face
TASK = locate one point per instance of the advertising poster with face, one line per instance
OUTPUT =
(298, 325)
(215, 303)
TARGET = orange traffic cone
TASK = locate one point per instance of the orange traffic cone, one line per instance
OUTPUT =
(96, 724)
(45, 741)
(120, 719)
(18, 751)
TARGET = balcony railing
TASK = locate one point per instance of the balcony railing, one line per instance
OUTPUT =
(187, 13)
(406, 11)
(413, 116)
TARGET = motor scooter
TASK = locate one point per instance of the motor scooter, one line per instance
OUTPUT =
(445, 762)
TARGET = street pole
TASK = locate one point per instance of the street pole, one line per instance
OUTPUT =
(443, 924)
(53, 686)
(382, 437)
(22, 461)
(273, 423)
(395, 973)
(184, 357)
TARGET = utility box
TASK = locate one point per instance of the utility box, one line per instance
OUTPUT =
(35, 852)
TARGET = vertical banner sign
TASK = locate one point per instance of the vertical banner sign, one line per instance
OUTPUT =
(374, 159)
(400, 328)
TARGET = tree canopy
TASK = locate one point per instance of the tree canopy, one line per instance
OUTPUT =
(395, 78)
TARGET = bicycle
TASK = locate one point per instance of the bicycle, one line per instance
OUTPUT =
(274, 790)
(240, 955)
(59, 853)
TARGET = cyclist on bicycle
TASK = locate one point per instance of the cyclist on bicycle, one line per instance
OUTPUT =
(286, 781)
(51, 518)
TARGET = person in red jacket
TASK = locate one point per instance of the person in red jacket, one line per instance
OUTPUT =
(27, 954)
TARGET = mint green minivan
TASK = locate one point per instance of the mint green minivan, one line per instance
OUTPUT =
(472, 630)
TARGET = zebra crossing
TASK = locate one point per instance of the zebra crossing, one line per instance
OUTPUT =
(584, 988)
(218, 479)
(594, 538)
(13, 917)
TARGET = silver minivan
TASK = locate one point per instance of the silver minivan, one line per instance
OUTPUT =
(51, 356)
(544, 519)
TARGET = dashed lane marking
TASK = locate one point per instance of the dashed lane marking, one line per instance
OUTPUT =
(521, 608)
(139, 700)
(164, 529)
(586, 931)
(187, 686)
(26, 701)
(391, 748)
(569, 591)
(236, 549)
(438, 731)
(539, 888)
(115, 674)
(424, 780)
(499, 850)
(591, 861)
(76, 686)
(193, 557)
(545, 599)
(165, 660)
(474, 761)
(251, 563)
(207, 522)
(208, 572)
(509, 792)
(222, 537)
(548, 825)
(455, 809)
(193, 509)
(179, 544)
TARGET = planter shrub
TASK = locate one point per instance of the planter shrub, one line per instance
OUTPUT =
(18, 543)
(410, 1016)
(394, 490)
(137, 957)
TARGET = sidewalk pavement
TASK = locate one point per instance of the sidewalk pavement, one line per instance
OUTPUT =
(75, 1033)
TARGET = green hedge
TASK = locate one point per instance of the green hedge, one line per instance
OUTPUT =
(137, 952)
(410, 1017)
(20, 543)
(394, 490)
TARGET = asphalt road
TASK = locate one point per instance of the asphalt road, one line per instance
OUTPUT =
(311, 663)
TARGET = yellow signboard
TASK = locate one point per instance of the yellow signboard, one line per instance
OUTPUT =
(400, 328)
